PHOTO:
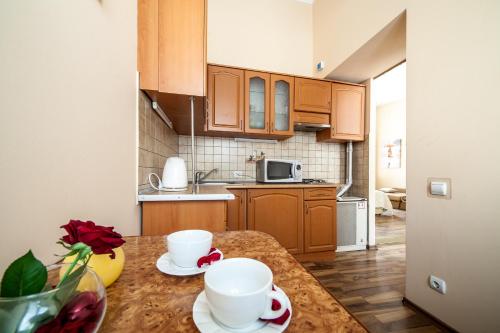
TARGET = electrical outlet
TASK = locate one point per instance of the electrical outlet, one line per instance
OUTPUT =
(437, 284)
(238, 174)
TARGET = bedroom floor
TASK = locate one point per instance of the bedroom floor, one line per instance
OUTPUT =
(391, 229)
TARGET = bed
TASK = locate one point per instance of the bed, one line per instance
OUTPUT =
(383, 204)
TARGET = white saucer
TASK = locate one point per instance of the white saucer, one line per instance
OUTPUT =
(166, 265)
(206, 323)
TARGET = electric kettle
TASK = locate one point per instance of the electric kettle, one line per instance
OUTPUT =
(174, 176)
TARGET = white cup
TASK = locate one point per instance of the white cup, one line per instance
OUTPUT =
(187, 246)
(239, 292)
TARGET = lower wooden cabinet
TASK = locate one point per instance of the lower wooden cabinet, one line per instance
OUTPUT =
(236, 210)
(278, 212)
(320, 228)
(164, 217)
(303, 220)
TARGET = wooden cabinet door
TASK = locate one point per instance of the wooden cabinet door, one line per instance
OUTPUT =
(257, 102)
(313, 95)
(182, 47)
(147, 44)
(164, 217)
(282, 92)
(348, 112)
(320, 218)
(278, 212)
(225, 99)
(236, 210)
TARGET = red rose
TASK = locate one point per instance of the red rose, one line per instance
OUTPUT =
(100, 239)
(81, 314)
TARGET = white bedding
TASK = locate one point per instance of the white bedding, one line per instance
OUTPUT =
(382, 203)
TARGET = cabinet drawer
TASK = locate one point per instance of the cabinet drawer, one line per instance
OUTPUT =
(320, 193)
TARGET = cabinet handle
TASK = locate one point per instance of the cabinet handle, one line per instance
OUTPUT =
(307, 209)
(241, 124)
(241, 200)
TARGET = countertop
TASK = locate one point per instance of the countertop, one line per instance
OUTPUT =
(202, 193)
(145, 300)
(207, 192)
(279, 185)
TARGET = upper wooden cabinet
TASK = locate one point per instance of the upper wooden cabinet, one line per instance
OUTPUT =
(282, 93)
(348, 114)
(278, 212)
(147, 43)
(225, 99)
(320, 226)
(313, 95)
(172, 46)
(257, 102)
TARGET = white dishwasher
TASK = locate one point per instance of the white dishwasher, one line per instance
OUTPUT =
(352, 223)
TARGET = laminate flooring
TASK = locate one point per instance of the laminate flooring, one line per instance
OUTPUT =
(370, 284)
(391, 229)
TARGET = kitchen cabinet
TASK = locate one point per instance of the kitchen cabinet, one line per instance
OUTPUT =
(172, 46)
(164, 217)
(313, 95)
(278, 212)
(348, 114)
(282, 93)
(257, 102)
(225, 99)
(236, 210)
(147, 44)
(320, 228)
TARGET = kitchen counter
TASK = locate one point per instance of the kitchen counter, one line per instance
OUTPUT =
(145, 300)
(202, 193)
(244, 185)
(219, 191)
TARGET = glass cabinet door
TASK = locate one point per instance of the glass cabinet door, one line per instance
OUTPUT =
(281, 104)
(257, 102)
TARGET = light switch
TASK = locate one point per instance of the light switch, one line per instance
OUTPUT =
(439, 188)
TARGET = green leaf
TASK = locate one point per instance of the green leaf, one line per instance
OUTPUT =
(25, 276)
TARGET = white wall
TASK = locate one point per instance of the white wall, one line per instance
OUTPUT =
(452, 118)
(261, 34)
(67, 120)
(391, 125)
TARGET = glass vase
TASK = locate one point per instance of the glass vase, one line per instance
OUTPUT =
(78, 305)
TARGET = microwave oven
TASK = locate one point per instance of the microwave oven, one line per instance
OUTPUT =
(278, 171)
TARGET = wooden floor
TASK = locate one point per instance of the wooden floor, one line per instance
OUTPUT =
(391, 229)
(370, 284)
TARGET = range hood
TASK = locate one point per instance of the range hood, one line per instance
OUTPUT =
(310, 121)
(309, 127)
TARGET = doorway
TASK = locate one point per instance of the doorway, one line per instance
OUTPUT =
(389, 91)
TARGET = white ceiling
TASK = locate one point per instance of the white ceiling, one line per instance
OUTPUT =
(391, 86)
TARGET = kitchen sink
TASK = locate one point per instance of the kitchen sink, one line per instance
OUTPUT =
(216, 182)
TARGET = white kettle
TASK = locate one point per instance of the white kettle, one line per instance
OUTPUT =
(174, 176)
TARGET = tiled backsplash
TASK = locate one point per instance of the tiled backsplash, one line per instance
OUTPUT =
(320, 160)
(156, 142)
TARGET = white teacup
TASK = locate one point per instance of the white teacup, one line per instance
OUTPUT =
(239, 292)
(187, 246)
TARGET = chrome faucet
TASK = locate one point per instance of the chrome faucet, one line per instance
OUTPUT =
(200, 175)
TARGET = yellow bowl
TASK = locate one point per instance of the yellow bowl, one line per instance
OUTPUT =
(108, 269)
